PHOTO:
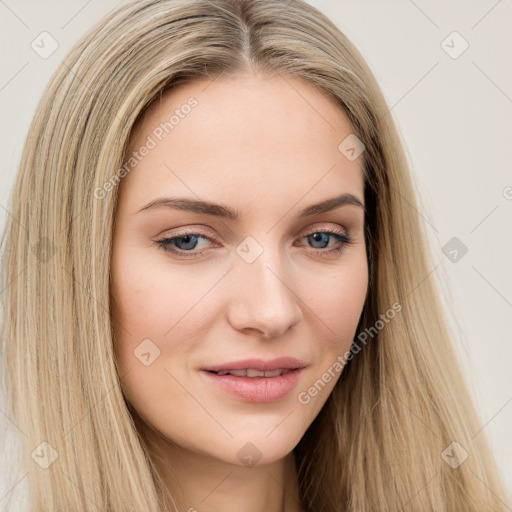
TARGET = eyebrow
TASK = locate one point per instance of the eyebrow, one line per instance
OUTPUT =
(220, 210)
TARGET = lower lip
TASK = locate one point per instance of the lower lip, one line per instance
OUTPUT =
(256, 389)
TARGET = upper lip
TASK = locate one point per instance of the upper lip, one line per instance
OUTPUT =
(259, 364)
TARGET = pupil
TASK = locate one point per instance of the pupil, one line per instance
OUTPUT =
(188, 239)
(317, 237)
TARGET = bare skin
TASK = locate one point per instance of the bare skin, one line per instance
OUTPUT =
(266, 147)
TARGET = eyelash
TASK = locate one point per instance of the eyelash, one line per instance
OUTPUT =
(166, 243)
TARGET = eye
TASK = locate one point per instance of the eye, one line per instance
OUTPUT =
(320, 240)
(186, 244)
(183, 244)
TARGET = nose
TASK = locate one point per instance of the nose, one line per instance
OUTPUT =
(263, 300)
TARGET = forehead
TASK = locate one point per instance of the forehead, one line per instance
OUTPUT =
(239, 137)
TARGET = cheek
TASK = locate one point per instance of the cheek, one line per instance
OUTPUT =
(336, 315)
(344, 304)
(152, 297)
(149, 302)
(337, 300)
(143, 308)
(161, 317)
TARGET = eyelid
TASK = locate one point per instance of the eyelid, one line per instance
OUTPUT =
(335, 228)
(317, 227)
(188, 231)
(344, 237)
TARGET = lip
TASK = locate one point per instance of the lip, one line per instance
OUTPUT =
(261, 365)
(257, 389)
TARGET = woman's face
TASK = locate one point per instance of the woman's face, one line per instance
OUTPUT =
(250, 269)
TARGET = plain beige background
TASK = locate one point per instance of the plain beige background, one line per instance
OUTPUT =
(451, 96)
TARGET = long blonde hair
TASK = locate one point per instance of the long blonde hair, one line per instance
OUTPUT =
(400, 403)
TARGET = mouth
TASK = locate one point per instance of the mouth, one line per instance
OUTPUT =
(256, 380)
(258, 365)
(252, 372)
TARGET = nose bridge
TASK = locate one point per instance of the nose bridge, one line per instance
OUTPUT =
(264, 298)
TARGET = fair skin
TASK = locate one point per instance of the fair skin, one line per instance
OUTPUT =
(267, 150)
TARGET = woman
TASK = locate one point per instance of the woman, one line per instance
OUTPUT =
(193, 170)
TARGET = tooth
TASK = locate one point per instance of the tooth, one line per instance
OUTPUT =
(238, 373)
(251, 372)
(254, 373)
(274, 373)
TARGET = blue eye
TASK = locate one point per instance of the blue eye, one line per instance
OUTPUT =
(182, 244)
(323, 238)
(320, 240)
(185, 244)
